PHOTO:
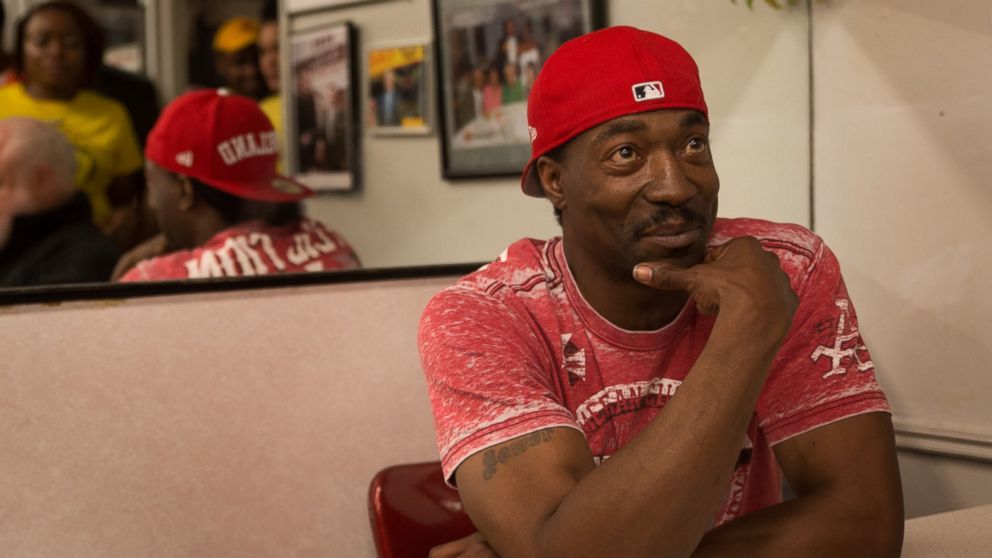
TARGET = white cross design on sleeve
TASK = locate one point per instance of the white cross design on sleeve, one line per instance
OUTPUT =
(837, 353)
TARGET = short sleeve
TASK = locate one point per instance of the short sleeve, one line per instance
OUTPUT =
(488, 375)
(823, 372)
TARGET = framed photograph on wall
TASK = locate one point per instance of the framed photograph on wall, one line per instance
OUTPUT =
(488, 53)
(323, 147)
(397, 94)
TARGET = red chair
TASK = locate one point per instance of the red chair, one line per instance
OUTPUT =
(412, 511)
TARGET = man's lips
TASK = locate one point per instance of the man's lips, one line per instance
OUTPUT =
(672, 236)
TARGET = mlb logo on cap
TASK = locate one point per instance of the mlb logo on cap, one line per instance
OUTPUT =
(648, 91)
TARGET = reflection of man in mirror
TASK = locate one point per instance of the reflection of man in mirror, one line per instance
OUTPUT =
(236, 56)
(640, 385)
(222, 208)
(268, 65)
(46, 232)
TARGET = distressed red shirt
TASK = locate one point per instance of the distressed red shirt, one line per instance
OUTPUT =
(514, 348)
(253, 248)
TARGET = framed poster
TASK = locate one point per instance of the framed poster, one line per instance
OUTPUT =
(397, 98)
(488, 53)
(323, 151)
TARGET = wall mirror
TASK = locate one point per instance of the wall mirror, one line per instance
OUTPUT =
(755, 71)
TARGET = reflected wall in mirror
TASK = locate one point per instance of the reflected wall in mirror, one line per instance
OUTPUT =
(406, 214)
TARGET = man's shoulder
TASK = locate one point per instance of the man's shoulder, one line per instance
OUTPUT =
(785, 239)
(161, 268)
(798, 249)
(525, 269)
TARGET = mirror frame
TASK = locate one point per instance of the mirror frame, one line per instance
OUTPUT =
(57, 294)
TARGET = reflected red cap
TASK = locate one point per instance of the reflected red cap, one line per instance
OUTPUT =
(226, 142)
(603, 75)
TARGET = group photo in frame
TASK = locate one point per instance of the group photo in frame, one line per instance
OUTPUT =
(488, 54)
(397, 94)
(323, 151)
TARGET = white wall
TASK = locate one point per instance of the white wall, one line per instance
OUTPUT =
(754, 69)
(903, 90)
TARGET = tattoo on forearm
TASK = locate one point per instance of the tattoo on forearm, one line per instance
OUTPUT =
(494, 457)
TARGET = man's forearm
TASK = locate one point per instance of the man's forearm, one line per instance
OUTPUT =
(661, 492)
(817, 525)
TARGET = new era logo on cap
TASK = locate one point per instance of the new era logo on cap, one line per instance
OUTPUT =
(647, 91)
(185, 158)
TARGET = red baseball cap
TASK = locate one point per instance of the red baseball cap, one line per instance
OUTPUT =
(603, 75)
(226, 142)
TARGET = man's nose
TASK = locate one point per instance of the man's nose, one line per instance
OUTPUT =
(669, 183)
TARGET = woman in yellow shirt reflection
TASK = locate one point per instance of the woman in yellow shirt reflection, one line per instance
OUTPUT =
(58, 50)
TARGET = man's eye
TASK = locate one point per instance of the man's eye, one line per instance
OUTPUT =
(697, 145)
(623, 154)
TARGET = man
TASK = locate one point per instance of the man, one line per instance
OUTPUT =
(635, 387)
(236, 56)
(46, 232)
(268, 65)
(222, 209)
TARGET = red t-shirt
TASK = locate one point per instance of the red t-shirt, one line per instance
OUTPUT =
(253, 248)
(514, 348)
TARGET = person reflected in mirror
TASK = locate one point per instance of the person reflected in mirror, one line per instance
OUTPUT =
(222, 208)
(47, 235)
(7, 74)
(58, 50)
(640, 385)
(235, 47)
(268, 65)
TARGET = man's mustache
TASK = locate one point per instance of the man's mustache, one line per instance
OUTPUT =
(667, 214)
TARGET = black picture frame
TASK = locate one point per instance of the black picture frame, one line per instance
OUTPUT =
(323, 136)
(480, 136)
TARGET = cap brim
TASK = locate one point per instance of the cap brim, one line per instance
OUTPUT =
(280, 189)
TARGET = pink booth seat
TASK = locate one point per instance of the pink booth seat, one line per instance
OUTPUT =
(412, 510)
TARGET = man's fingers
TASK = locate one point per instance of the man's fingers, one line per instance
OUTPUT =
(714, 253)
(665, 277)
(472, 546)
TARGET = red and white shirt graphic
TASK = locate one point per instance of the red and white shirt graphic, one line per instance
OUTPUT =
(253, 248)
(514, 348)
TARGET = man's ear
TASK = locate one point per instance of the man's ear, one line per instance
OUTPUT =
(187, 197)
(549, 172)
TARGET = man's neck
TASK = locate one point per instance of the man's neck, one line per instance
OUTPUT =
(206, 226)
(620, 299)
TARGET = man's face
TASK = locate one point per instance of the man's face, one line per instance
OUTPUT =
(239, 71)
(164, 193)
(639, 188)
(54, 52)
(268, 54)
